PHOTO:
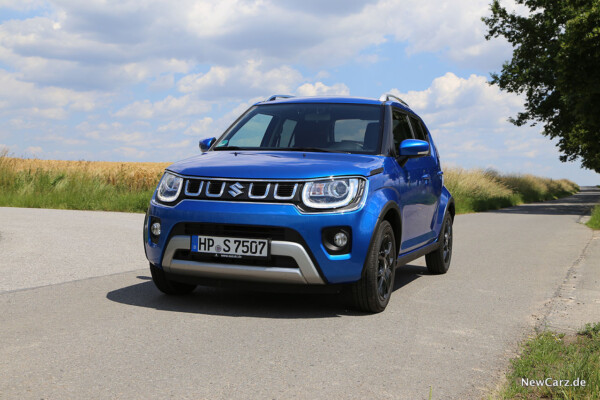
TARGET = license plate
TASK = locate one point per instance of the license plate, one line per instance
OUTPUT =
(231, 247)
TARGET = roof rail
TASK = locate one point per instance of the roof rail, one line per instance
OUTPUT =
(279, 96)
(389, 96)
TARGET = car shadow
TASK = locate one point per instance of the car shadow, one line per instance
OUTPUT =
(249, 303)
(579, 204)
(407, 274)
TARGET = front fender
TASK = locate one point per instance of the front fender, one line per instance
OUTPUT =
(379, 203)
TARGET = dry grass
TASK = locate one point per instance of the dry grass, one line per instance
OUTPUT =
(480, 190)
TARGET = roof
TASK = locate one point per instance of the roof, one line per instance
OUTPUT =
(331, 99)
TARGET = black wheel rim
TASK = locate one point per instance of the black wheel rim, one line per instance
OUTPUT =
(447, 242)
(385, 267)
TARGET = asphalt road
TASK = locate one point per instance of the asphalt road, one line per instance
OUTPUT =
(80, 317)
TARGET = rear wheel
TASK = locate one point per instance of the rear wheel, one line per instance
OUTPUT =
(438, 261)
(167, 286)
(372, 293)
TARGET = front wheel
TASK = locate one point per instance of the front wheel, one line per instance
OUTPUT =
(167, 286)
(438, 261)
(372, 293)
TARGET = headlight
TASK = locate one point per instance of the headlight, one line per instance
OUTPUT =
(169, 188)
(334, 193)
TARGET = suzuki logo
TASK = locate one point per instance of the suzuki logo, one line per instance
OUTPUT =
(236, 189)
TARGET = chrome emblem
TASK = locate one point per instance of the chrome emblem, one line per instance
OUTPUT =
(236, 189)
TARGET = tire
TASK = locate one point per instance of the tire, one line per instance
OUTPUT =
(438, 261)
(166, 286)
(372, 293)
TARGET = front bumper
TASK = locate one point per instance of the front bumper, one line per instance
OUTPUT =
(306, 273)
(314, 265)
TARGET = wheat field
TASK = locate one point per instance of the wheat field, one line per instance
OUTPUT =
(128, 186)
(136, 175)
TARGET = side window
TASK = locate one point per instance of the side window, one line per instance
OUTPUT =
(252, 132)
(418, 129)
(400, 128)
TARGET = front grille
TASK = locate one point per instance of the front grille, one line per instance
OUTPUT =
(232, 190)
(193, 187)
(259, 190)
(241, 231)
(215, 188)
(285, 190)
(273, 261)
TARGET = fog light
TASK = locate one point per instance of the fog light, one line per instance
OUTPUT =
(340, 239)
(155, 229)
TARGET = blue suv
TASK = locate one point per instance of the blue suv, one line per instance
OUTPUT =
(304, 191)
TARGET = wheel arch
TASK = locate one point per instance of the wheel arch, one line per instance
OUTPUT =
(391, 213)
(452, 208)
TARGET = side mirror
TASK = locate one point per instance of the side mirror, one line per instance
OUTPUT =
(206, 143)
(412, 148)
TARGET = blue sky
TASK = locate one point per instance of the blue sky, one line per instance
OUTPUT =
(144, 80)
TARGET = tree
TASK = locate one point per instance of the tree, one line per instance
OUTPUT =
(556, 64)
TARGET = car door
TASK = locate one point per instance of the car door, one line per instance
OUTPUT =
(414, 189)
(431, 188)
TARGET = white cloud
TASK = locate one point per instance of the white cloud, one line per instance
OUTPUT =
(320, 89)
(183, 144)
(34, 150)
(172, 126)
(29, 99)
(170, 107)
(21, 5)
(452, 101)
(203, 127)
(130, 152)
(242, 81)
(130, 42)
(52, 137)
(129, 137)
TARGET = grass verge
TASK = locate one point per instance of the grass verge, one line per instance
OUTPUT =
(126, 186)
(549, 360)
(481, 190)
(594, 221)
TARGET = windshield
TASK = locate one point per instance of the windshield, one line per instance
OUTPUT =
(345, 128)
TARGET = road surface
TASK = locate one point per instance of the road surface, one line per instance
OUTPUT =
(80, 317)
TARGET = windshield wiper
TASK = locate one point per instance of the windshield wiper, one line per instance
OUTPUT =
(230, 148)
(314, 149)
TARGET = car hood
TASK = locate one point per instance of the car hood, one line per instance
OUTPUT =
(276, 164)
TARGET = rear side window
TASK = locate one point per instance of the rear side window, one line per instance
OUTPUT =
(401, 128)
(418, 129)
